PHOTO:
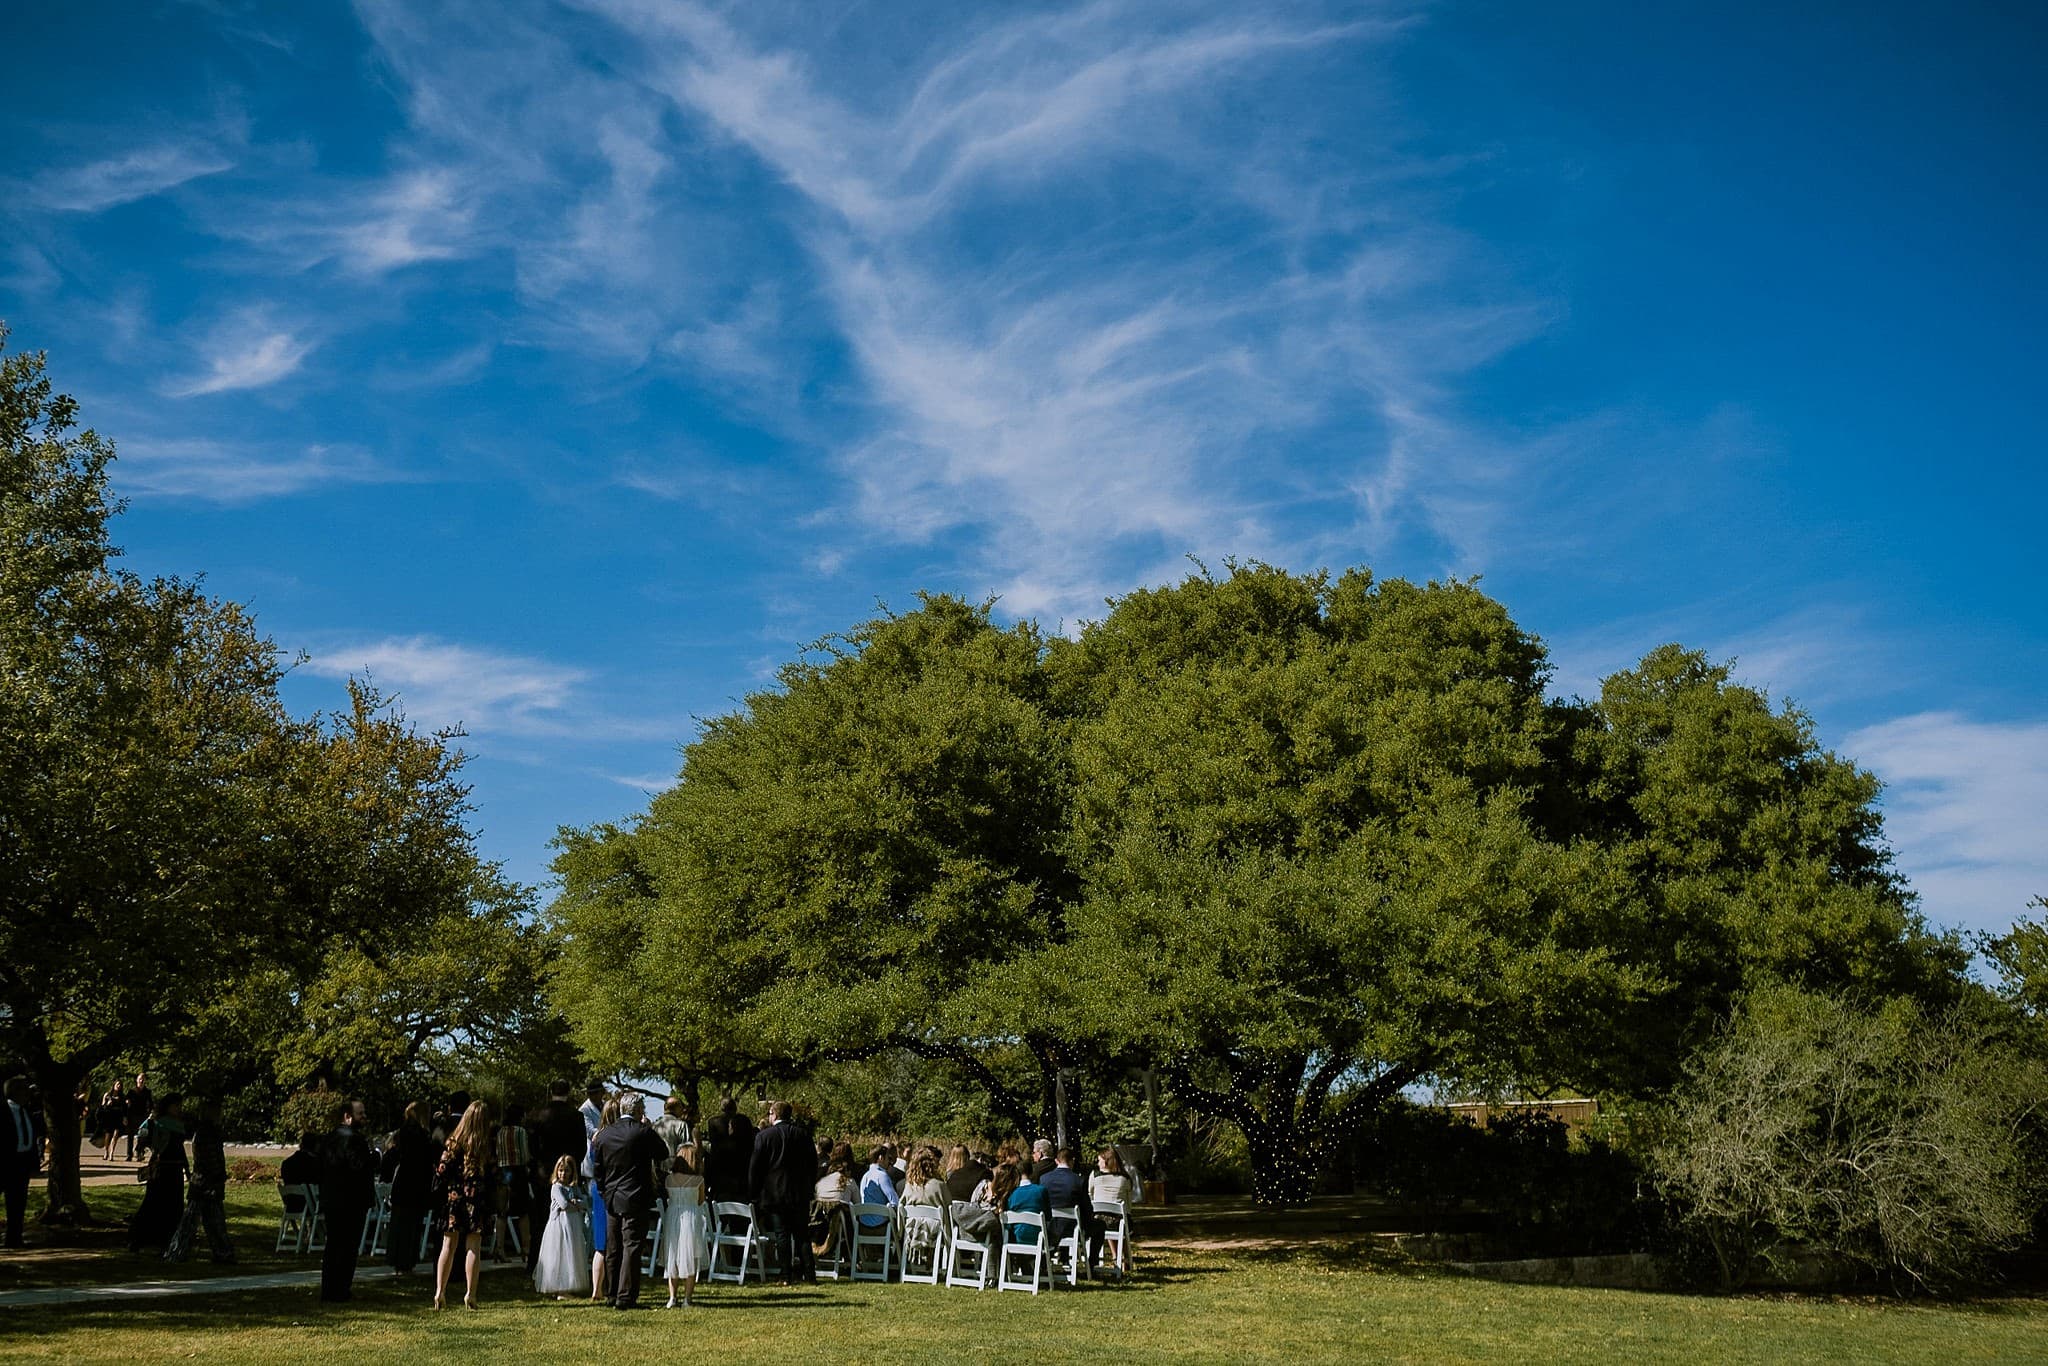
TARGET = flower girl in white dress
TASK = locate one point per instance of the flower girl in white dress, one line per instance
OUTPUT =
(684, 1233)
(564, 1264)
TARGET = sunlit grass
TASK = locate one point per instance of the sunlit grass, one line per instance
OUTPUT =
(1311, 1304)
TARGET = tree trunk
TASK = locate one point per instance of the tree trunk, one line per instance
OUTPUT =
(66, 1194)
(1283, 1173)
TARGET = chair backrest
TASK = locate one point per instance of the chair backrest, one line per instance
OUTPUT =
(722, 1210)
(862, 1213)
(1030, 1221)
(1115, 1209)
(924, 1214)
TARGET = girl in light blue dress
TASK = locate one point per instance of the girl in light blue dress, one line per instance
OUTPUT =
(563, 1267)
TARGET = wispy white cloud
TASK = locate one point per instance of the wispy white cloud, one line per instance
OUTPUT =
(441, 683)
(1964, 806)
(245, 351)
(137, 173)
(231, 472)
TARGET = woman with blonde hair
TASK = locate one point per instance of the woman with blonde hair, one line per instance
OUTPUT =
(465, 1180)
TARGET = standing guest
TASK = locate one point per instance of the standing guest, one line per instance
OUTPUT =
(464, 1178)
(141, 1105)
(515, 1155)
(1066, 1203)
(629, 1158)
(348, 1188)
(600, 1221)
(592, 1109)
(781, 1176)
(878, 1186)
(1041, 1159)
(206, 1196)
(113, 1114)
(963, 1173)
(686, 1242)
(562, 1266)
(23, 1156)
(162, 1137)
(409, 1167)
(671, 1124)
(730, 1152)
(557, 1132)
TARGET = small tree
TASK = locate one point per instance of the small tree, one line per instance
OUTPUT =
(1886, 1140)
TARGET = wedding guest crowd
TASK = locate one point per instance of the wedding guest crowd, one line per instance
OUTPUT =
(576, 1192)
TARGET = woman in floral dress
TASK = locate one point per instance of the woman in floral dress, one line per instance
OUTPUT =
(465, 1181)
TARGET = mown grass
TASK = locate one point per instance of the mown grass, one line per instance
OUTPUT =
(1309, 1304)
(98, 1254)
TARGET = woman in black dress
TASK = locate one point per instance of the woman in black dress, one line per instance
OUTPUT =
(465, 1181)
(163, 1203)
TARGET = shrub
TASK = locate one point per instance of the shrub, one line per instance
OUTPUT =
(248, 1170)
(1882, 1141)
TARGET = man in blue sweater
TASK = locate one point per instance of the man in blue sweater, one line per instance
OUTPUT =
(1066, 1199)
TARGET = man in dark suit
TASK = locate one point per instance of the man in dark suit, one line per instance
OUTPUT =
(1066, 1204)
(781, 1176)
(348, 1187)
(628, 1156)
(21, 1150)
(557, 1129)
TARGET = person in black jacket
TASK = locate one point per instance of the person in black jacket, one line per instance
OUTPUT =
(780, 1178)
(1067, 1204)
(628, 1156)
(348, 1187)
(729, 1143)
(557, 1130)
(408, 1165)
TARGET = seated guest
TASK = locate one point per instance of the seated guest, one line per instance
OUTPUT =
(1041, 1158)
(838, 1181)
(878, 1187)
(1110, 1180)
(963, 1173)
(922, 1184)
(1023, 1196)
(301, 1168)
(1066, 1200)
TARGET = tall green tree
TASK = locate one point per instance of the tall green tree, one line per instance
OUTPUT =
(1302, 816)
(174, 845)
(849, 863)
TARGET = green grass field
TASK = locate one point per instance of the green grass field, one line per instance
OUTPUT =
(1319, 1302)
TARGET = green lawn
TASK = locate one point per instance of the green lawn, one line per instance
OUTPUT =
(1311, 1304)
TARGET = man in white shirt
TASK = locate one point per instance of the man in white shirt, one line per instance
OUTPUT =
(22, 1150)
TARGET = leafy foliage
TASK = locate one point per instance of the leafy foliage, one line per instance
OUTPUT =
(1887, 1139)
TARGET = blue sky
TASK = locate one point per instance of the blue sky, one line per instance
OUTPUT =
(569, 366)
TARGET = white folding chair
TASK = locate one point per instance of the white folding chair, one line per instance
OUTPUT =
(371, 1244)
(1115, 1218)
(840, 1266)
(963, 1248)
(881, 1238)
(316, 1229)
(924, 1240)
(650, 1265)
(1072, 1243)
(295, 1226)
(733, 1230)
(1034, 1252)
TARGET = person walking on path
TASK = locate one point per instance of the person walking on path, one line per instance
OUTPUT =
(629, 1158)
(464, 1181)
(781, 1178)
(141, 1104)
(162, 1137)
(206, 1196)
(23, 1155)
(348, 1187)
